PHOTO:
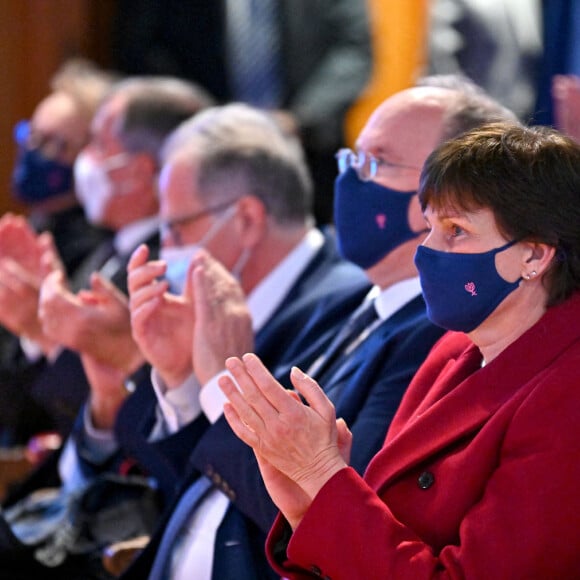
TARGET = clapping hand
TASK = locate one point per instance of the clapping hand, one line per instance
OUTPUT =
(162, 323)
(25, 260)
(94, 321)
(299, 447)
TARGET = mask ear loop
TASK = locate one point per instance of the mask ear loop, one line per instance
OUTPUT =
(240, 264)
(216, 226)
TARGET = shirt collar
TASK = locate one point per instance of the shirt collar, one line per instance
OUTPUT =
(393, 298)
(271, 291)
(131, 235)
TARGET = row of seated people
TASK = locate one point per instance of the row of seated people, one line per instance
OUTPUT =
(226, 195)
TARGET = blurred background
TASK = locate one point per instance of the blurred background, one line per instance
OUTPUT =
(39, 35)
(511, 47)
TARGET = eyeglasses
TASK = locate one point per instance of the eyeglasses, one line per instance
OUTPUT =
(171, 229)
(50, 145)
(365, 164)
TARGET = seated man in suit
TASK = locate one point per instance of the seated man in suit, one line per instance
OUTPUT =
(115, 178)
(42, 180)
(365, 370)
(233, 182)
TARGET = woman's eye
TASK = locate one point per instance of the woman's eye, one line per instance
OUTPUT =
(456, 231)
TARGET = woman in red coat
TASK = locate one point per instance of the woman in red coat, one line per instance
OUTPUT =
(479, 474)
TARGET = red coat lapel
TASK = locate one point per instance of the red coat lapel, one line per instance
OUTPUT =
(463, 396)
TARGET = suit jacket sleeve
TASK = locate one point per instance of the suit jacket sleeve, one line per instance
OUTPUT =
(372, 396)
(219, 454)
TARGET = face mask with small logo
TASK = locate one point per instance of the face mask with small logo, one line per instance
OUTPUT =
(178, 258)
(461, 290)
(93, 185)
(36, 177)
(371, 220)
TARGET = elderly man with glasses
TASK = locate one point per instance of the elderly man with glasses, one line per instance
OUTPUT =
(242, 267)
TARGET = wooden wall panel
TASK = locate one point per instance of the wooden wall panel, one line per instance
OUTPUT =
(37, 36)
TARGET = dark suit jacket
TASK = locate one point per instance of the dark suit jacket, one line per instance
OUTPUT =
(62, 387)
(366, 391)
(477, 477)
(75, 240)
(327, 278)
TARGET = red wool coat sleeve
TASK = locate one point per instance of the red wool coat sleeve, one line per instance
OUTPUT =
(478, 477)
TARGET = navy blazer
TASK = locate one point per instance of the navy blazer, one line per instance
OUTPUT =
(366, 391)
(328, 291)
(327, 277)
(62, 386)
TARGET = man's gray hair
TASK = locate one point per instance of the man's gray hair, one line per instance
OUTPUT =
(155, 106)
(470, 106)
(240, 151)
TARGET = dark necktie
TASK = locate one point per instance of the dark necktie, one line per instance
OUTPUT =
(179, 519)
(100, 256)
(346, 341)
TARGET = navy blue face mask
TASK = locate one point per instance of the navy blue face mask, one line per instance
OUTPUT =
(371, 220)
(36, 178)
(461, 290)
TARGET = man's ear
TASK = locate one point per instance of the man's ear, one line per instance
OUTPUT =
(251, 220)
(538, 259)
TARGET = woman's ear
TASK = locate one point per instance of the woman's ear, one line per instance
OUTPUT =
(251, 220)
(539, 258)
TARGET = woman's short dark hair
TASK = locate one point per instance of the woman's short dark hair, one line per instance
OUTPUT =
(528, 176)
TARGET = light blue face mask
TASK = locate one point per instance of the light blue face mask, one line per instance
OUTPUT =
(178, 258)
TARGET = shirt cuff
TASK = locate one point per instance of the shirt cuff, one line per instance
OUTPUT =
(212, 398)
(33, 352)
(92, 445)
(98, 444)
(179, 406)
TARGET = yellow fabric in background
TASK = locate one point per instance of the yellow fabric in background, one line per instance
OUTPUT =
(399, 32)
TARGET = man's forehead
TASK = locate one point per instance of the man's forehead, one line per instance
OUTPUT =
(405, 118)
(180, 165)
